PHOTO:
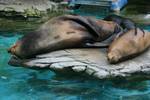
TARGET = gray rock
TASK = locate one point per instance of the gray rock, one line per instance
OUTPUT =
(92, 62)
(26, 7)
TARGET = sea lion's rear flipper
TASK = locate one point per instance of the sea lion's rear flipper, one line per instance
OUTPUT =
(142, 31)
(84, 22)
(125, 23)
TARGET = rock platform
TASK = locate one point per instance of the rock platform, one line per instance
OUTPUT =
(91, 62)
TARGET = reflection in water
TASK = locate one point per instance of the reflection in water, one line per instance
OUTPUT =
(17, 83)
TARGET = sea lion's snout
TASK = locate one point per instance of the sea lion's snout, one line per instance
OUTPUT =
(113, 57)
(14, 49)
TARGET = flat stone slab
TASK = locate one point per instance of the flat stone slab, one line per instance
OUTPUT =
(92, 62)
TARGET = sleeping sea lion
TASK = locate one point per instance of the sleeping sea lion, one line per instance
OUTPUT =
(67, 31)
(128, 45)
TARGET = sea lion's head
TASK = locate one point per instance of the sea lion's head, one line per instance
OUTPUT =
(15, 49)
(25, 46)
(113, 56)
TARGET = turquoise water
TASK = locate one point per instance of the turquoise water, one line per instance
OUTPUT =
(18, 83)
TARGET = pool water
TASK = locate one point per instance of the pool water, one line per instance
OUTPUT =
(18, 83)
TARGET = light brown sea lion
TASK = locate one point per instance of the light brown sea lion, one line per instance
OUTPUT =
(128, 45)
(62, 32)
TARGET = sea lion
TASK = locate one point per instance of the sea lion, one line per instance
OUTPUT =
(67, 31)
(128, 45)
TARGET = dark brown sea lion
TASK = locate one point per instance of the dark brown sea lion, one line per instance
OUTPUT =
(62, 32)
(128, 45)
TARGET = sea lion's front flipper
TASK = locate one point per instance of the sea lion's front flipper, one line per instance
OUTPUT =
(86, 22)
(105, 43)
